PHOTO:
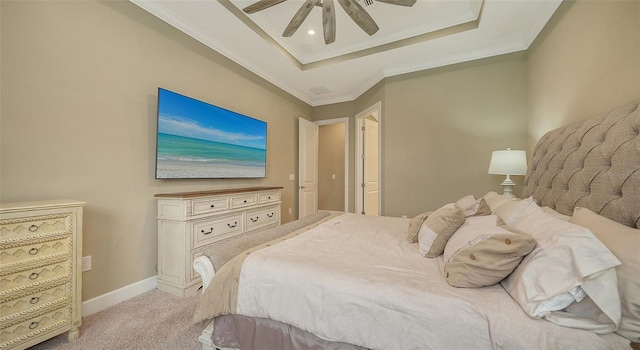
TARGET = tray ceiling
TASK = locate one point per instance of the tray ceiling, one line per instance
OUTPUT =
(431, 33)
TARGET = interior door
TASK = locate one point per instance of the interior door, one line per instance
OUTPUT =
(307, 168)
(370, 167)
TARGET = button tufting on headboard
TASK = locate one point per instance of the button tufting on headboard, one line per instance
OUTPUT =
(594, 164)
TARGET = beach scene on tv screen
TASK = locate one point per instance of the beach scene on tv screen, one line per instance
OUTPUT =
(198, 140)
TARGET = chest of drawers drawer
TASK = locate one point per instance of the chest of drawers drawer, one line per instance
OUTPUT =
(34, 327)
(243, 201)
(212, 230)
(29, 228)
(268, 197)
(35, 277)
(210, 205)
(29, 254)
(263, 217)
(23, 306)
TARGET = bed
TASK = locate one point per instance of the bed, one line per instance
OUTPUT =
(557, 269)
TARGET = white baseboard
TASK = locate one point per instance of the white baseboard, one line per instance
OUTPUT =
(103, 301)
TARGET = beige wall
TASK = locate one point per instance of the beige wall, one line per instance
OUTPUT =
(331, 167)
(79, 84)
(585, 61)
(440, 127)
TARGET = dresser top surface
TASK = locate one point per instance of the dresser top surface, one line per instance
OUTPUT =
(216, 192)
(44, 204)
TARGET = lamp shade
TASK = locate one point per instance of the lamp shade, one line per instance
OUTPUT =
(508, 162)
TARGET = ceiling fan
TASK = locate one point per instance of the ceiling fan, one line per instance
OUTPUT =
(357, 13)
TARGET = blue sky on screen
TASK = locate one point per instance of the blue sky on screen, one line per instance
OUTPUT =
(184, 116)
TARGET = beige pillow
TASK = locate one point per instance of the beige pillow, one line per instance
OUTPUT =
(495, 200)
(471, 206)
(437, 229)
(483, 254)
(624, 243)
(414, 226)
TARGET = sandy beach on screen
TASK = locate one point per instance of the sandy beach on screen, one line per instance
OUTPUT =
(195, 170)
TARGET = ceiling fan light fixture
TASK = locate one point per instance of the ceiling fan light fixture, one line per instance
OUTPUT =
(352, 7)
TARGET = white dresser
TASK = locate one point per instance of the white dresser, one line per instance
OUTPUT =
(40, 271)
(189, 222)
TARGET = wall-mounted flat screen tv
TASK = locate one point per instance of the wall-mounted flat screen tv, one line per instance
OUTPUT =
(197, 140)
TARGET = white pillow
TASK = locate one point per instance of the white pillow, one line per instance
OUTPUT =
(566, 256)
(510, 211)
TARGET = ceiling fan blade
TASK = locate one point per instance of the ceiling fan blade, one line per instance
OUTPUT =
(359, 15)
(328, 21)
(261, 5)
(407, 3)
(299, 17)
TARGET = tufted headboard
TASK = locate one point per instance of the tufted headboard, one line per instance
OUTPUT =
(593, 164)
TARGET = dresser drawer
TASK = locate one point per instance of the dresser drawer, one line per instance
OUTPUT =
(268, 197)
(22, 229)
(263, 217)
(39, 276)
(29, 304)
(25, 331)
(13, 258)
(211, 230)
(243, 201)
(210, 205)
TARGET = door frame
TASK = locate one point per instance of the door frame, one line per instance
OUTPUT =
(346, 154)
(375, 110)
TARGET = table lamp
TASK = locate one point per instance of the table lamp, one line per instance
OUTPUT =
(509, 162)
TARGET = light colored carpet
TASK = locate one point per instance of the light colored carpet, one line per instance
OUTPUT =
(152, 320)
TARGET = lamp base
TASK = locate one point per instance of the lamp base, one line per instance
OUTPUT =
(507, 185)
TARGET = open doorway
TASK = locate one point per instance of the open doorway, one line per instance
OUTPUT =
(333, 164)
(368, 161)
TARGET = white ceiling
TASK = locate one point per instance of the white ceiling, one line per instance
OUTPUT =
(430, 34)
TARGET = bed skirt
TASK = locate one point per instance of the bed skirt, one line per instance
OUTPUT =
(249, 333)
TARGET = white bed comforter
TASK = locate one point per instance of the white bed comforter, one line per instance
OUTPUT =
(356, 279)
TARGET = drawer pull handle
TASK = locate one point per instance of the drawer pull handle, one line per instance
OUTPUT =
(33, 325)
(33, 276)
(245, 201)
(33, 228)
(206, 233)
(269, 197)
(234, 224)
(33, 251)
(213, 205)
(255, 220)
(34, 300)
(270, 215)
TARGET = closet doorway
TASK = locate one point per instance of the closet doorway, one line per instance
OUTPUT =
(333, 164)
(368, 161)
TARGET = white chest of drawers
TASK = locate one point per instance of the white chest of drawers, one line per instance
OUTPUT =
(189, 222)
(40, 271)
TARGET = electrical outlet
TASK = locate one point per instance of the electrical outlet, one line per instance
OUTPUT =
(290, 211)
(86, 263)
